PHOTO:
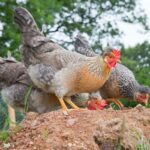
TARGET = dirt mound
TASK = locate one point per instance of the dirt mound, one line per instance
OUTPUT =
(82, 130)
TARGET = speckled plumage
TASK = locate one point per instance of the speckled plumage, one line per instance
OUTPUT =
(121, 83)
(54, 69)
(82, 46)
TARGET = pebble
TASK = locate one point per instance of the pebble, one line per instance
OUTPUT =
(71, 122)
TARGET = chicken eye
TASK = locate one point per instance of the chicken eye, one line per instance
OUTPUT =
(111, 57)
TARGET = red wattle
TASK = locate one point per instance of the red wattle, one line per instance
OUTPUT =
(112, 64)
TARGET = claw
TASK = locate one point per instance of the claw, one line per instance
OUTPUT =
(65, 112)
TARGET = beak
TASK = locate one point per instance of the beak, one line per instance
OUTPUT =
(119, 61)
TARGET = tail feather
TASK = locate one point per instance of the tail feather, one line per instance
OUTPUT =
(25, 20)
(83, 47)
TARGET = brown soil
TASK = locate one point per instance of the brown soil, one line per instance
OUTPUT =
(82, 130)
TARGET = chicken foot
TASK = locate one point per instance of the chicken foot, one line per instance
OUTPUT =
(116, 101)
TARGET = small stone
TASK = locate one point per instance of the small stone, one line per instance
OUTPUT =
(139, 107)
(7, 145)
(71, 122)
(31, 143)
(34, 123)
(70, 144)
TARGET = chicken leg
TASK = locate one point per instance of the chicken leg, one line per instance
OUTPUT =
(116, 101)
(63, 106)
(71, 103)
(12, 116)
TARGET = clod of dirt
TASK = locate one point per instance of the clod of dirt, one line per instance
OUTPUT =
(83, 130)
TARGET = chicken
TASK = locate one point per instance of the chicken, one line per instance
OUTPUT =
(121, 83)
(56, 70)
(18, 90)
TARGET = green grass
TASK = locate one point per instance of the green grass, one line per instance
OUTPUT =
(4, 135)
(143, 144)
(127, 103)
(26, 97)
(45, 134)
(4, 120)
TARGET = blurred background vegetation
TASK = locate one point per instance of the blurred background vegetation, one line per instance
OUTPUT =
(95, 19)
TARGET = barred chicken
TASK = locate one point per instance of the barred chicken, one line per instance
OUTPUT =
(56, 70)
(121, 83)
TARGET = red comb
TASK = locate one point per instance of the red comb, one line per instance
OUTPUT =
(116, 52)
(97, 104)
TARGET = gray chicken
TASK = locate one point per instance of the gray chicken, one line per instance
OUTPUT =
(121, 83)
(19, 92)
(56, 70)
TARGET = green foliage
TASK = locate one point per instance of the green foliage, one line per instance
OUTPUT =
(43, 13)
(86, 16)
(97, 18)
(137, 59)
(142, 146)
